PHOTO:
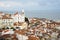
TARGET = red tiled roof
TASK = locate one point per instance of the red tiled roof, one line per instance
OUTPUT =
(7, 16)
(18, 23)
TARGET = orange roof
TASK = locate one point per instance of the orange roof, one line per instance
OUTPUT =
(16, 13)
(6, 30)
(20, 32)
(6, 17)
(18, 23)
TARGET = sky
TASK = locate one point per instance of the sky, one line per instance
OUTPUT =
(38, 8)
(29, 4)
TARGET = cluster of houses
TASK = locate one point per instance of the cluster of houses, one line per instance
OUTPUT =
(44, 22)
(32, 29)
(13, 20)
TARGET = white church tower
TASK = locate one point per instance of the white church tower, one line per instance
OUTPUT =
(19, 17)
(22, 10)
(22, 16)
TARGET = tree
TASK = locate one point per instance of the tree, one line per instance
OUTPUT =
(26, 20)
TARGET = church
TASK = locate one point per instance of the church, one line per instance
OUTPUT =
(19, 20)
(16, 20)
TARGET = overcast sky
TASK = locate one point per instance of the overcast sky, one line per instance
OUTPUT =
(29, 4)
(38, 8)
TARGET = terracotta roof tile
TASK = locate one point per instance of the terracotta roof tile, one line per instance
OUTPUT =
(6, 17)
